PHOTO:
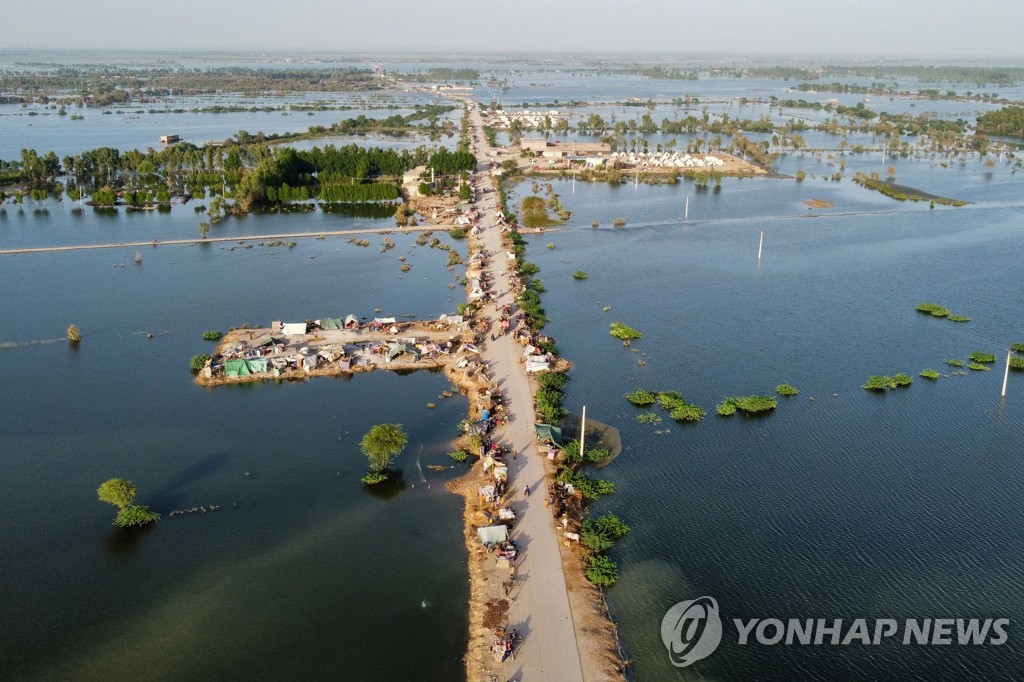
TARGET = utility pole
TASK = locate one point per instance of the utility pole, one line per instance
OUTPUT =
(583, 430)
(1006, 374)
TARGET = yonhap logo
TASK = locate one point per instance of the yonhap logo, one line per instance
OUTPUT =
(691, 630)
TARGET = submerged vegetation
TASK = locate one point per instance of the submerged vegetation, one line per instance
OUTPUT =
(121, 494)
(786, 389)
(624, 332)
(878, 382)
(936, 310)
(751, 404)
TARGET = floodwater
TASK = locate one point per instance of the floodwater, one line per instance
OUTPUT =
(839, 504)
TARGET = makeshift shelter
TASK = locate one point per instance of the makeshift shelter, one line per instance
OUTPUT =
(396, 349)
(331, 323)
(268, 341)
(257, 365)
(549, 432)
(492, 534)
(310, 362)
(293, 328)
(237, 368)
(351, 322)
(537, 363)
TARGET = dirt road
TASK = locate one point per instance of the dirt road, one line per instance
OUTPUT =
(541, 611)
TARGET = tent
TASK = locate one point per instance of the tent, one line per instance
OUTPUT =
(351, 322)
(237, 368)
(294, 328)
(268, 341)
(396, 349)
(329, 323)
(489, 534)
(258, 365)
(549, 432)
(537, 363)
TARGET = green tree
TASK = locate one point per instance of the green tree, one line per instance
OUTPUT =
(117, 491)
(120, 493)
(381, 444)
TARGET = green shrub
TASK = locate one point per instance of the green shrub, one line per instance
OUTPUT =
(135, 515)
(457, 233)
(624, 332)
(726, 408)
(876, 382)
(553, 379)
(785, 389)
(641, 398)
(1017, 347)
(978, 367)
(579, 274)
(601, 571)
(458, 455)
(198, 362)
(980, 356)
(599, 534)
(901, 379)
(955, 363)
(591, 488)
(1017, 364)
(688, 413)
(751, 404)
(374, 477)
(933, 309)
(670, 400)
(212, 335)
(930, 374)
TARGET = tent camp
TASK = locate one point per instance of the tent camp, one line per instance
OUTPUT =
(293, 328)
(237, 368)
(549, 432)
(492, 534)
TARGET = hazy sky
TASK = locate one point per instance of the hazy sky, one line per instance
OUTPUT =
(925, 28)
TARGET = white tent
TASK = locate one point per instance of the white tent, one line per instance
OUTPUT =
(489, 534)
(293, 328)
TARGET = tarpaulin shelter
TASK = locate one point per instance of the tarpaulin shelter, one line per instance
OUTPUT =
(293, 328)
(351, 322)
(237, 368)
(268, 341)
(331, 323)
(257, 365)
(549, 432)
(396, 349)
(492, 534)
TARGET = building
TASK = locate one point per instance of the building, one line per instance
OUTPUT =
(170, 139)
